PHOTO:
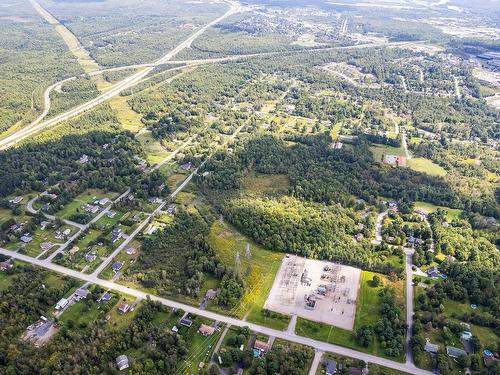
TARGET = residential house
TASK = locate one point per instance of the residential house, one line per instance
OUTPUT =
(117, 266)
(131, 251)
(211, 294)
(90, 257)
(453, 352)
(111, 214)
(4, 266)
(16, 200)
(330, 367)
(261, 346)
(122, 362)
(186, 322)
(433, 272)
(187, 166)
(81, 294)
(123, 308)
(84, 159)
(116, 234)
(26, 238)
(63, 302)
(206, 330)
(44, 225)
(431, 348)
(104, 201)
(105, 298)
(66, 232)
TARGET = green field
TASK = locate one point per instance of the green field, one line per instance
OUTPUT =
(451, 213)
(426, 166)
(379, 151)
(259, 270)
(266, 183)
(87, 197)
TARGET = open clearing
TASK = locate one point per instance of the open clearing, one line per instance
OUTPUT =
(331, 289)
(426, 166)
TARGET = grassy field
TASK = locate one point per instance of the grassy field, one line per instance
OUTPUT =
(426, 166)
(87, 197)
(199, 347)
(259, 271)
(367, 312)
(451, 213)
(129, 119)
(82, 313)
(154, 150)
(266, 183)
(379, 151)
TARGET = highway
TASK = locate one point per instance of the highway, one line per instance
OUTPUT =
(113, 91)
(318, 345)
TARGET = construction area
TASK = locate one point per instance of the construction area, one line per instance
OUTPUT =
(316, 290)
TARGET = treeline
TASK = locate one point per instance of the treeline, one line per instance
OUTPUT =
(112, 165)
(322, 175)
(176, 260)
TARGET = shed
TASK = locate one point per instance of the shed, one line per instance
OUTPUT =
(122, 362)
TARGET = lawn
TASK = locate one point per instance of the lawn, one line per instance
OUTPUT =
(82, 313)
(119, 321)
(345, 361)
(451, 213)
(87, 197)
(259, 268)
(122, 257)
(379, 151)
(426, 166)
(199, 347)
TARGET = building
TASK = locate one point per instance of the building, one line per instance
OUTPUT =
(116, 234)
(81, 294)
(105, 298)
(186, 322)
(4, 266)
(453, 352)
(44, 224)
(433, 272)
(26, 238)
(330, 367)
(466, 335)
(66, 232)
(261, 346)
(90, 257)
(122, 362)
(117, 266)
(111, 214)
(16, 200)
(211, 294)
(175, 329)
(131, 251)
(84, 159)
(206, 330)
(431, 348)
(123, 308)
(104, 201)
(63, 302)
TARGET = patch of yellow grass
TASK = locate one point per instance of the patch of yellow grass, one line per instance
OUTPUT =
(129, 119)
(424, 165)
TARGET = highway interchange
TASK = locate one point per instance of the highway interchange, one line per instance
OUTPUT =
(144, 70)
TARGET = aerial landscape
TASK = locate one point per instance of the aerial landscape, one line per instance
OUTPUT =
(252, 187)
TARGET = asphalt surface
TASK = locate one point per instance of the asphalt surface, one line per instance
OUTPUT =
(318, 345)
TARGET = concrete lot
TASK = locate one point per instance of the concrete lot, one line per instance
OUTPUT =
(299, 278)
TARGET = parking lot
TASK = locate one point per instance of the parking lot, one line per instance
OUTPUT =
(316, 290)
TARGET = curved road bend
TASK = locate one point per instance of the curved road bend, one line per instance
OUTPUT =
(318, 345)
(115, 90)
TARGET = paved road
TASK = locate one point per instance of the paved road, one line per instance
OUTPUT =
(318, 354)
(112, 92)
(378, 227)
(86, 226)
(319, 345)
(409, 303)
